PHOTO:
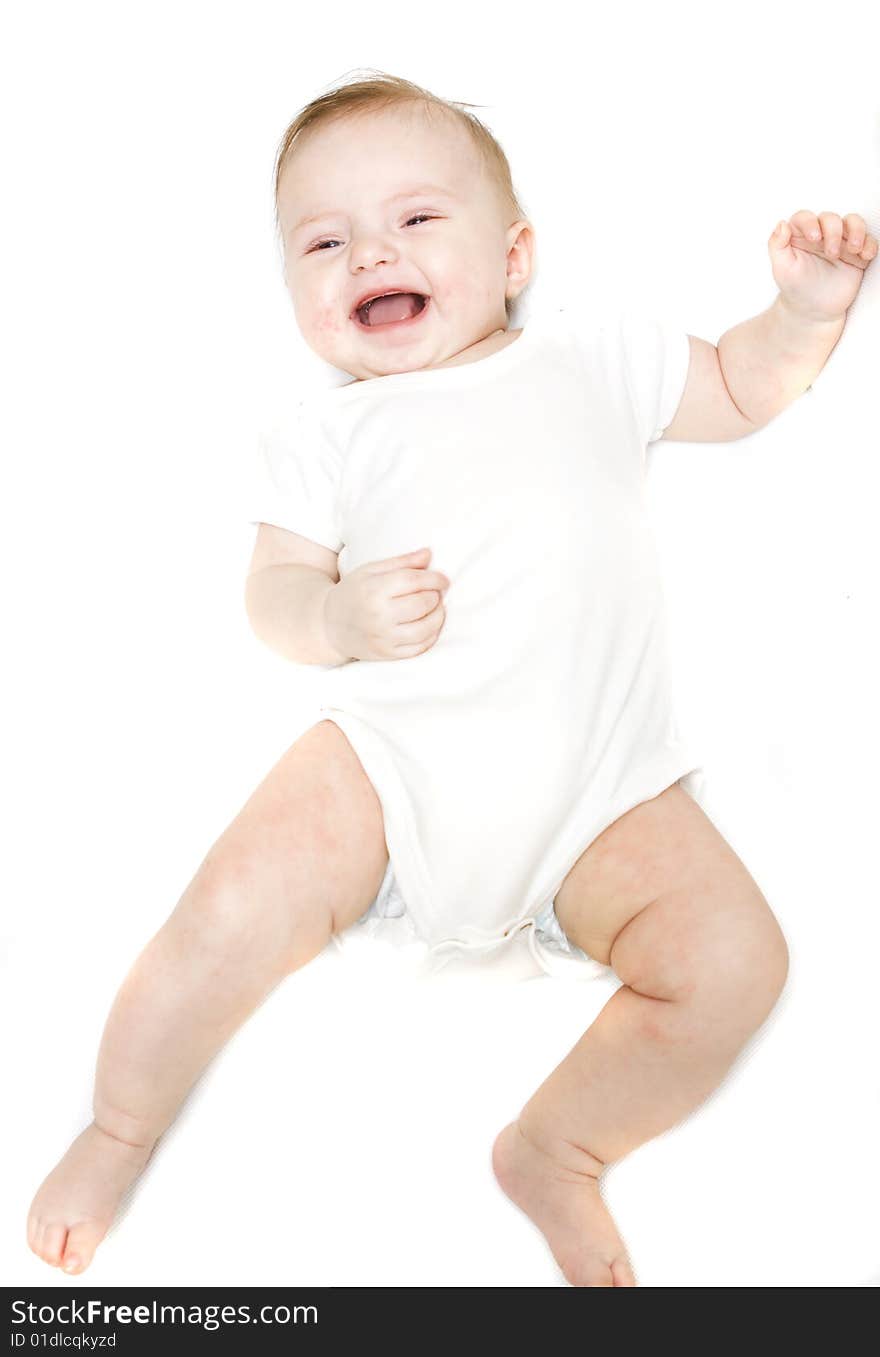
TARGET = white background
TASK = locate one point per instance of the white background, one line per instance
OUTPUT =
(344, 1135)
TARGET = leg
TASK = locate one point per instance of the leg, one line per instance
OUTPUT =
(304, 858)
(662, 898)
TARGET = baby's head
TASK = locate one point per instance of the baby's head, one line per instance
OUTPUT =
(381, 186)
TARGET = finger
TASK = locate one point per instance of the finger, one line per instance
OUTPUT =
(414, 633)
(781, 236)
(415, 606)
(808, 237)
(858, 261)
(397, 562)
(407, 652)
(855, 232)
(832, 231)
(858, 239)
(412, 581)
(805, 224)
(427, 579)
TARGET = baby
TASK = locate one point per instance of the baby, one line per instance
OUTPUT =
(513, 765)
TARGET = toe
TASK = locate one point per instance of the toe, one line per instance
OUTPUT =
(622, 1272)
(587, 1270)
(82, 1240)
(599, 1275)
(39, 1235)
(53, 1242)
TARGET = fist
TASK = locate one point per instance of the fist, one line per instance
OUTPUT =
(819, 262)
(387, 610)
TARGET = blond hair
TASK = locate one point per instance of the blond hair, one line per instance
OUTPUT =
(375, 91)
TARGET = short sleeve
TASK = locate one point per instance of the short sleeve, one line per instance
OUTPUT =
(295, 479)
(656, 356)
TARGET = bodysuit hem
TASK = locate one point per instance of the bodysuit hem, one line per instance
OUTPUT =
(670, 764)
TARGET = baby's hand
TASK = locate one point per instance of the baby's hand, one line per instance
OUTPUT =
(819, 261)
(386, 610)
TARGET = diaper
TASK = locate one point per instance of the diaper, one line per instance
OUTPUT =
(538, 940)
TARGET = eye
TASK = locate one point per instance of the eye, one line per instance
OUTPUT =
(420, 216)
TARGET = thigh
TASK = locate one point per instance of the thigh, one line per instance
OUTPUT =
(310, 841)
(666, 849)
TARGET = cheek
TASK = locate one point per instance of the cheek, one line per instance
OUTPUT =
(459, 289)
(470, 280)
(326, 322)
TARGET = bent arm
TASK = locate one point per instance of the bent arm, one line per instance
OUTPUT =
(285, 607)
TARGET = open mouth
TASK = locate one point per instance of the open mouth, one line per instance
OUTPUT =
(392, 311)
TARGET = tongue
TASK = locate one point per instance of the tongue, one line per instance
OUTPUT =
(399, 306)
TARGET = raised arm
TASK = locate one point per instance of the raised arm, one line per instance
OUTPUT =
(761, 365)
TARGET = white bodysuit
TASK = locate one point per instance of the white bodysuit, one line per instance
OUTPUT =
(543, 712)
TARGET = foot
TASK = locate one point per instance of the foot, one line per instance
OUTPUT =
(75, 1205)
(564, 1203)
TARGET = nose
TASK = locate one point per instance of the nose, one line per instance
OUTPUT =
(367, 253)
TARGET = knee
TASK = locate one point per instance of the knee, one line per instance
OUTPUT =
(212, 913)
(775, 957)
(750, 980)
(745, 973)
(720, 961)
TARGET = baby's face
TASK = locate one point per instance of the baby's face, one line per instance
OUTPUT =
(378, 227)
